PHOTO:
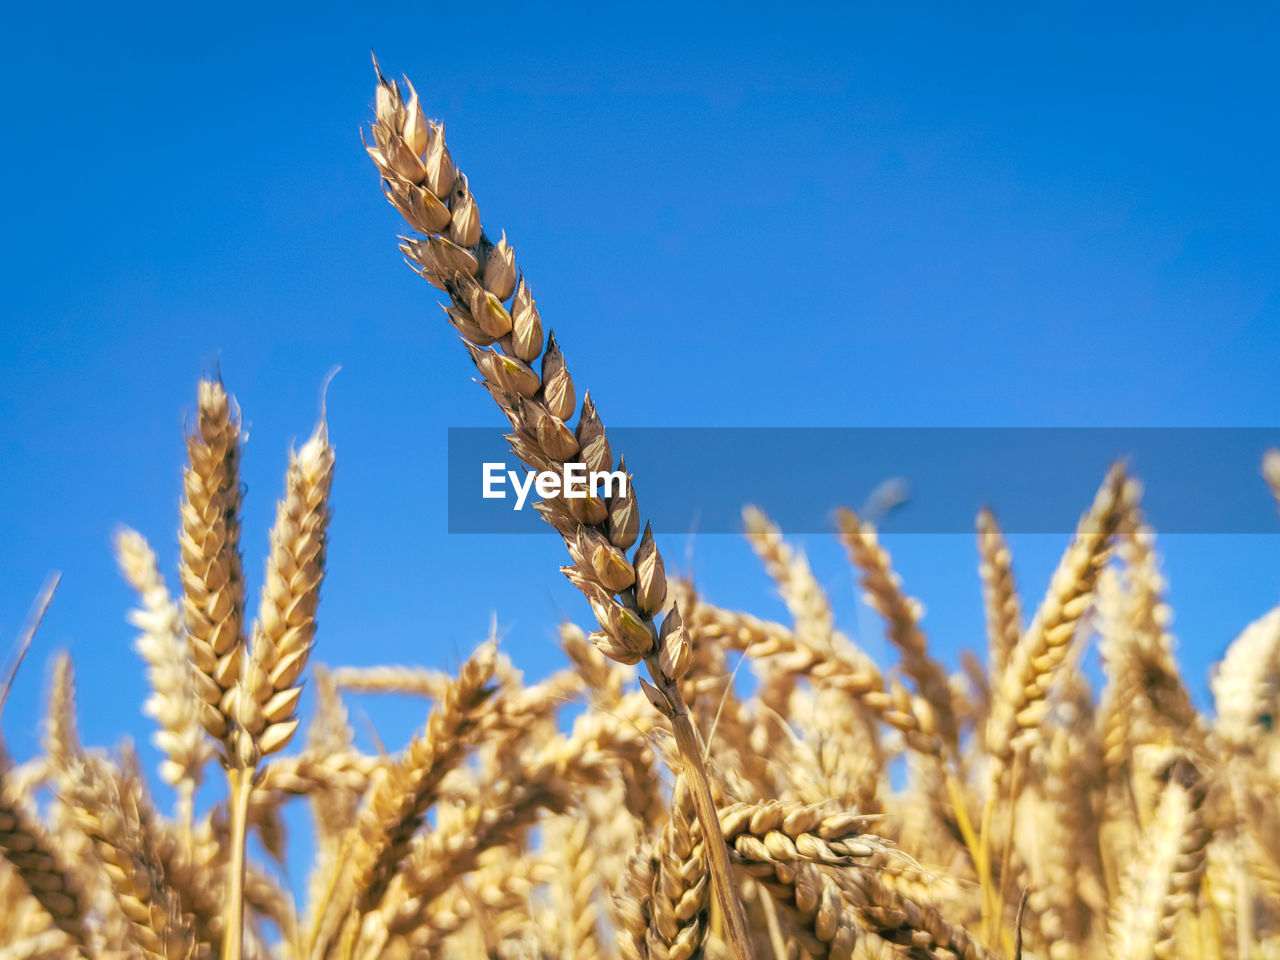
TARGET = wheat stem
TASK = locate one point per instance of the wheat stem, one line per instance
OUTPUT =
(240, 786)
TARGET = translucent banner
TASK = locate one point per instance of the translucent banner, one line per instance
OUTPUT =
(909, 480)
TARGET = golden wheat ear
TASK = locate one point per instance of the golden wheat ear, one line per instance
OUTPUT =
(162, 645)
(34, 858)
(680, 901)
(108, 807)
(267, 698)
(1020, 692)
(1002, 606)
(398, 801)
(902, 615)
(627, 594)
(212, 579)
(1163, 881)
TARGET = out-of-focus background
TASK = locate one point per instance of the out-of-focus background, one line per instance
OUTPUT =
(869, 215)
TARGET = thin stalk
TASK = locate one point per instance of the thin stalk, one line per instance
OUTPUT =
(695, 771)
(962, 817)
(240, 785)
(1006, 860)
(1208, 922)
(984, 858)
(1244, 905)
(1244, 897)
(976, 847)
(776, 939)
(350, 931)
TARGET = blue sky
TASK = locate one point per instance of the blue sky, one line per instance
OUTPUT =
(858, 215)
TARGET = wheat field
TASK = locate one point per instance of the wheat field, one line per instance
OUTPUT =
(644, 801)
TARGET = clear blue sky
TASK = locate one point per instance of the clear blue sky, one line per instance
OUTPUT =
(999, 214)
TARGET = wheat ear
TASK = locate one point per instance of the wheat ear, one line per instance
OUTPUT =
(680, 901)
(999, 592)
(419, 681)
(61, 729)
(632, 902)
(109, 808)
(419, 178)
(1164, 880)
(1019, 692)
(24, 843)
(843, 725)
(577, 880)
(162, 645)
(919, 927)
(902, 615)
(1162, 695)
(212, 580)
(267, 698)
(805, 599)
(399, 800)
(264, 705)
(782, 845)
(847, 669)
